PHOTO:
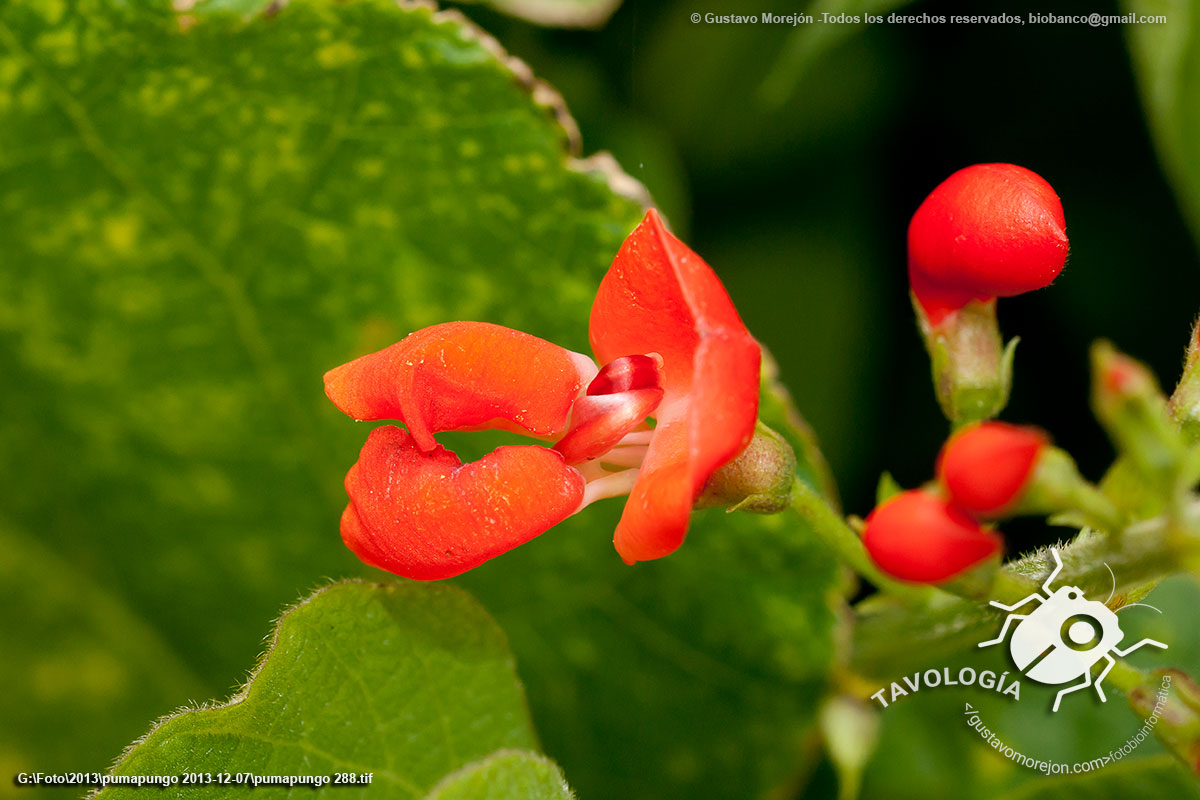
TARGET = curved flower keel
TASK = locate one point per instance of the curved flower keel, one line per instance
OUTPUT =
(429, 516)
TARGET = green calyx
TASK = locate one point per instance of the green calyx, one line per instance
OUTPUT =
(971, 365)
(759, 480)
(1057, 487)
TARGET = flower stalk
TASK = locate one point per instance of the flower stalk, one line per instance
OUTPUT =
(846, 544)
(890, 640)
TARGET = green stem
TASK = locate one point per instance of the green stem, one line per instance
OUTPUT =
(1125, 677)
(842, 539)
(1097, 510)
(891, 641)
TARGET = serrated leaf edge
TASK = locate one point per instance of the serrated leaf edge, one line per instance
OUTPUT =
(601, 164)
(549, 99)
(550, 14)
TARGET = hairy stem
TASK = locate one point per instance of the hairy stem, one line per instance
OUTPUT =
(890, 640)
(842, 539)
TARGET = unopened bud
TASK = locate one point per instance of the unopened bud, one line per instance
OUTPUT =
(1131, 407)
(920, 537)
(987, 467)
(987, 231)
(994, 469)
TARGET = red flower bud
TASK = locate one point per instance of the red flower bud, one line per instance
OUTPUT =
(989, 230)
(986, 466)
(918, 536)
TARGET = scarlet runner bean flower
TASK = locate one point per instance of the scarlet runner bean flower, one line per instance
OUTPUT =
(987, 467)
(918, 536)
(987, 231)
(994, 469)
(673, 348)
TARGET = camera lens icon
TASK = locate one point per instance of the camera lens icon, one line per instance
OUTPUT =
(1081, 632)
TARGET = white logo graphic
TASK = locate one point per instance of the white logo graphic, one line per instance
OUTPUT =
(1060, 640)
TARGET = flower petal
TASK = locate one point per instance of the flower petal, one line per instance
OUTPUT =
(655, 520)
(724, 401)
(619, 399)
(694, 437)
(599, 422)
(626, 374)
(428, 516)
(462, 375)
(660, 297)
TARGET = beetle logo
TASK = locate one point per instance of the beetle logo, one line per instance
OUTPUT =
(1065, 636)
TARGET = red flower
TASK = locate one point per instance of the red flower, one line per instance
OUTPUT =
(986, 466)
(673, 349)
(918, 536)
(989, 230)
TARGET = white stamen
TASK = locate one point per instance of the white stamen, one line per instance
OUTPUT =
(591, 471)
(637, 437)
(614, 484)
(625, 456)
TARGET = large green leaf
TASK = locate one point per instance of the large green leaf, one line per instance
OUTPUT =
(697, 675)
(201, 213)
(404, 683)
(1166, 59)
(1150, 778)
(507, 775)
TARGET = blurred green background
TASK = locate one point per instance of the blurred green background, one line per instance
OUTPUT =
(163, 529)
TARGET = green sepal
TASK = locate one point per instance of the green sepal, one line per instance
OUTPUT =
(970, 364)
(887, 488)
